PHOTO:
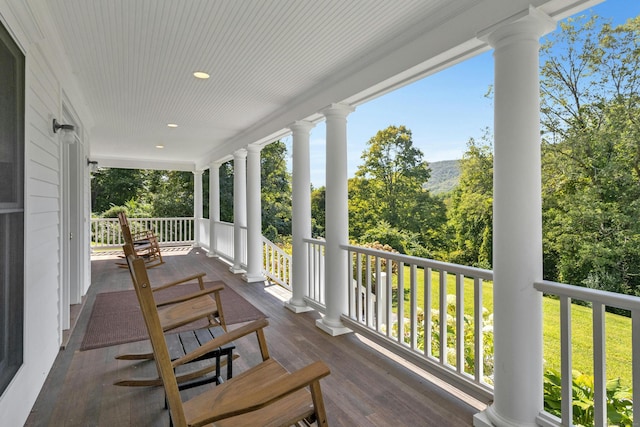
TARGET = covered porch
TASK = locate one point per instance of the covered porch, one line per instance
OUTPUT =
(368, 385)
(95, 67)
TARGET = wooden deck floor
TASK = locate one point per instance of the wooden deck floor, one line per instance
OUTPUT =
(367, 386)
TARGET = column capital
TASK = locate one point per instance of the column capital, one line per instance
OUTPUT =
(301, 126)
(197, 172)
(240, 154)
(527, 24)
(337, 110)
(215, 164)
(254, 148)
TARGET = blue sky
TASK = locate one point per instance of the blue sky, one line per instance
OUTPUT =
(442, 111)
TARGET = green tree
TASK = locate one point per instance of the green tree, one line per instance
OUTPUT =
(318, 202)
(276, 189)
(389, 188)
(170, 193)
(471, 206)
(396, 173)
(591, 155)
(114, 187)
(364, 212)
(226, 191)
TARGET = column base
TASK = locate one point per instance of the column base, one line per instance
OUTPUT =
(490, 418)
(297, 307)
(481, 420)
(212, 254)
(236, 270)
(332, 329)
(252, 278)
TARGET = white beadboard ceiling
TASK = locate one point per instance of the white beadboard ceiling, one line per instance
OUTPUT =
(271, 62)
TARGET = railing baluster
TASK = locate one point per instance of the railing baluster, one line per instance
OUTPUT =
(635, 367)
(400, 293)
(413, 299)
(428, 303)
(443, 317)
(599, 363)
(358, 298)
(459, 323)
(367, 290)
(478, 323)
(565, 363)
(377, 309)
(352, 293)
(389, 292)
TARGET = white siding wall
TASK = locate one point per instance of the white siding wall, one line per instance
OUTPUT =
(43, 219)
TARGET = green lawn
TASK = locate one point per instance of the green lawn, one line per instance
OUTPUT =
(618, 328)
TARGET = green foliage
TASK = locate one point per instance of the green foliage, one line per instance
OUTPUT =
(318, 201)
(114, 187)
(226, 191)
(170, 193)
(132, 208)
(619, 399)
(404, 242)
(275, 189)
(389, 188)
(471, 207)
(113, 212)
(591, 155)
(392, 173)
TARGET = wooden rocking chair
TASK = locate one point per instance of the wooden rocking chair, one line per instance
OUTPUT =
(144, 243)
(180, 311)
(265, 395)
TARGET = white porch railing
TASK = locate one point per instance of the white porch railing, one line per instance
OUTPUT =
(429, 333)
(598, 301)
(315, 261)
(105, 232)
(224, 240)
(277, 263)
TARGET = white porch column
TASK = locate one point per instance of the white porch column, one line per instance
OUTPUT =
(300, 215)
(254, 217)
(214, 207)
(337, 220)
(197, 207)
(239, 207)
(517, 223)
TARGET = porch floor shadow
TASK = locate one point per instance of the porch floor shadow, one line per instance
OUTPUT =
(367, 386)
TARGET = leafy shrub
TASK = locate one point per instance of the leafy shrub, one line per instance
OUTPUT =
(469, 350)
(619, 399)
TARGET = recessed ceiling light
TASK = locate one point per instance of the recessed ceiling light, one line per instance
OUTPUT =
(159, 146)
(172, 125)
(200, 75)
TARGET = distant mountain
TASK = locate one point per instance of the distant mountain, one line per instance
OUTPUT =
(444, 176)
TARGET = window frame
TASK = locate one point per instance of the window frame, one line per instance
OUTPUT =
(12, 128)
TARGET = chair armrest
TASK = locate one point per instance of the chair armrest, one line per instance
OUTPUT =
(182, 298)
(232, 335)
(198, 276)
(266, 392)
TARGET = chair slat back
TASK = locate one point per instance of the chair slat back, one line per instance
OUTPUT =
(142, 286)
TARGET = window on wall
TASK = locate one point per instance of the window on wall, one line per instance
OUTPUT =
(11, 207)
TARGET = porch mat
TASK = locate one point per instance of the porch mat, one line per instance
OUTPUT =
(116, 317)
